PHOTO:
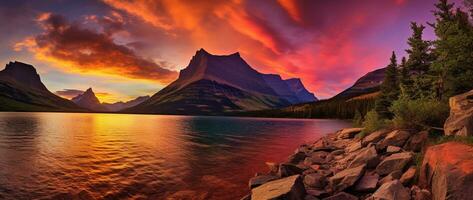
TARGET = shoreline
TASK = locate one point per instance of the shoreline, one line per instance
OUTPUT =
(342, 165)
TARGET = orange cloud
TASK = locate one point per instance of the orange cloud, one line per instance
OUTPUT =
(81, 50)
(291, 7)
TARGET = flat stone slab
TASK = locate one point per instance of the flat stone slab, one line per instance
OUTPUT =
(394, 162)
(286, 188)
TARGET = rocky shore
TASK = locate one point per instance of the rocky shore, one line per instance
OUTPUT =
(383, 165)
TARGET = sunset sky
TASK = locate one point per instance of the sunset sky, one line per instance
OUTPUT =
(124, 49)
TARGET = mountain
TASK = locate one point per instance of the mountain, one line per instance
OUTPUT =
(21, 89)
(369, 83)
(291, 90)
(215, 84)
(89, 101)
(114, 107)
(295, 84)
(360, 97)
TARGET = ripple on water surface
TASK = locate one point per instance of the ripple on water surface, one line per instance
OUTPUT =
(107, 156)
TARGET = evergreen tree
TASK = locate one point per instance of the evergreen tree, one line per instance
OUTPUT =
(453, 66)
(405, 80)
(389, 89)
(418, 81)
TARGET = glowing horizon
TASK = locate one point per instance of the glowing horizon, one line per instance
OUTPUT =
(126, 49)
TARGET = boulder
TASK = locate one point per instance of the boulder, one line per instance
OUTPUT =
(417, 141)
(367, 183)
(348, 133)
(374, 137)
(342, 196)
(367, 156)
(296, 158)
(460, 121)
(346, 178)
(353, 147)
(394, 162)
(395, 138)
(447, 171)
(408, 176)
(286, 188)
(390, 177)
(393, 149)
(315, 180)
(323, 144)
(318, 157)
(260, 180)
(393, 190)
(420, 194)
(288, 169)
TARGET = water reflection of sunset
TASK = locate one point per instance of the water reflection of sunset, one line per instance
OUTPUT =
(132, 156)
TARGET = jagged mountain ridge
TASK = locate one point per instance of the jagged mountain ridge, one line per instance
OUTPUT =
(21, 89)
(89, 100)
(210, 80)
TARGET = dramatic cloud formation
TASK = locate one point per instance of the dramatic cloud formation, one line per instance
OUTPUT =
(328, 44)
(85, 51)
(322, 42)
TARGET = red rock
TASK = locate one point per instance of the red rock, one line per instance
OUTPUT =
(286, 188)
(393, 190)
(394, 162)
(408, 176)
(447, 171)
(367, 183)
(417, 142)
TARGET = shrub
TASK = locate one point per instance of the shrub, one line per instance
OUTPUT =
(357, 119)
(418, 113)
(372, 122)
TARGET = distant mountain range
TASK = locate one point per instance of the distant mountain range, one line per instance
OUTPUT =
(216, 84)
(21, 89)
(89, 101)
(209, 85)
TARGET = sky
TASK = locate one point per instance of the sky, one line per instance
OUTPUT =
(129, 48)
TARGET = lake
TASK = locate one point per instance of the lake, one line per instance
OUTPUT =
(121, 156)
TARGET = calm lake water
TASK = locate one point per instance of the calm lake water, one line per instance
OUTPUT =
(115, 156)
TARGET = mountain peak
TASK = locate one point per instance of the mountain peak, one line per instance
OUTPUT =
(88, 91)
(225, 69)
(88, 100)
(23, 74)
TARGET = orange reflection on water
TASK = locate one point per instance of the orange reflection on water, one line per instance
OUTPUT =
(48, 155)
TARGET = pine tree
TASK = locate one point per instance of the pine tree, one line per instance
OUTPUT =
(418, 81)
(453, 66)
(389, 89)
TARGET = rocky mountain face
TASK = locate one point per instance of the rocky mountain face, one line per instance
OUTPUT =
(21, 89)
(89, 101)
(368, 83)
(291, 89)
(214, 84)
(295, 85)
(117, 106)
